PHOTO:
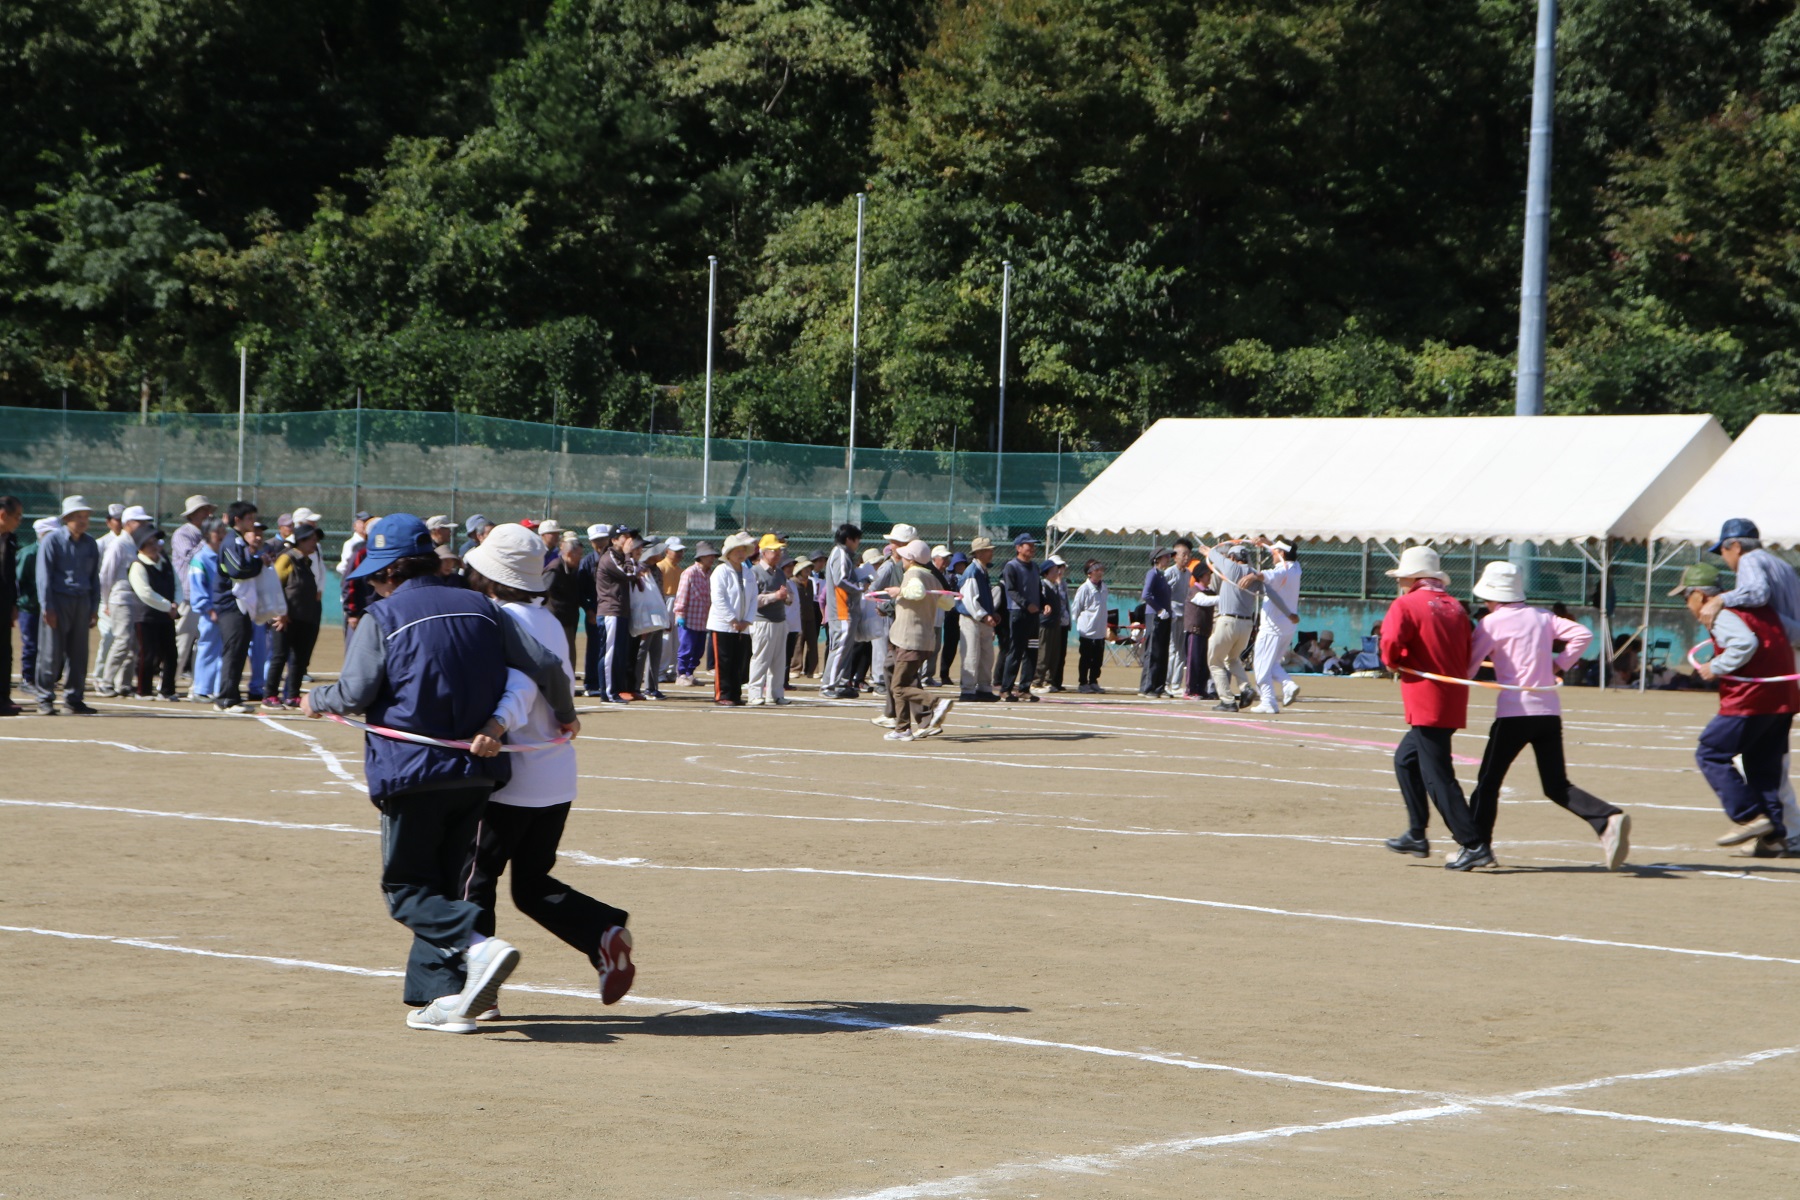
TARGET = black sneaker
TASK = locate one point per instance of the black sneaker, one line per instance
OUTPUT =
(80, 708)
(1225, 706)
(1406, 843)
(1472, 857)
(46, 708)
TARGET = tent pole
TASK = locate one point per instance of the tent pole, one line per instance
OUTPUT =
(1644, 657)
(1605, 625)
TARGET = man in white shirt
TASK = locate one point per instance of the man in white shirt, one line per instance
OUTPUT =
(118, 638)
(1280, 617)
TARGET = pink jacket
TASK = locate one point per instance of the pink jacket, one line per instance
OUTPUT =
(1517, 637)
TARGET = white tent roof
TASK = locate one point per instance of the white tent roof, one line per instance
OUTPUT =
(1754, 479)
(1439, 479)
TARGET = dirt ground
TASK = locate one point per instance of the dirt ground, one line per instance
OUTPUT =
(1092, 947)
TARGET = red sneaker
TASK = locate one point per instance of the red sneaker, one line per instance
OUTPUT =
(616, 968)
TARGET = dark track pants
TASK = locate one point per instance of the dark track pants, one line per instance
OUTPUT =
(1053, 655)
(28, 651)
(427, 852)
(1021, 651)
(949, 638)
(1762, 740)
(155, 636)
(1091, 654)
(1423, 767)
(235, 631)
(731, 659)
(526, 839)
(1154, 677)
(290, 653)
(1507, 736)
(64, 646)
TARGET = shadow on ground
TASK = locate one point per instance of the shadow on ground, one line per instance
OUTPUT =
(819, 1016)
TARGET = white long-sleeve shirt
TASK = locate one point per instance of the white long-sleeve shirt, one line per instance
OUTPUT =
(540, 778)
(115, 559)
(1281, 583)
(138, 574)
(733, 598)
(1089, 609)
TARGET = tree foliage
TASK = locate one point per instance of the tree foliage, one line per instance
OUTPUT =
(1210, 207)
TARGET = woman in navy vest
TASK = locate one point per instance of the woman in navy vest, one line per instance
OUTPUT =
(430, 658)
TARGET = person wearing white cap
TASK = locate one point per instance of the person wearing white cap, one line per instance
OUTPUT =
(115, 670)
(1280, 617)
(522, 826)
(68, 580)
(184, 543)
(441, 528)
(1235, 614)
(733, 593)
(1427, 630)
(914, 639)
(768, 630)
(889, 570)
(115, 520)
(1521, 641)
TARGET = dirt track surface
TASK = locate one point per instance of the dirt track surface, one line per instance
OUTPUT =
(1083, 949)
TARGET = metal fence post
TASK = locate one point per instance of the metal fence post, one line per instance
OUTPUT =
(455, 459)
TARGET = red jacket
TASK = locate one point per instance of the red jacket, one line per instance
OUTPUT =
(1427, 629)
(1774, 656)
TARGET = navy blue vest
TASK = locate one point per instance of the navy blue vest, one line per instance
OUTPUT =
(446, 672)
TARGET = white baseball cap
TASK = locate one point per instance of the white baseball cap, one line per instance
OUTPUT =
(675, 543)
(596, 532)
(306, 516)
(136, 513)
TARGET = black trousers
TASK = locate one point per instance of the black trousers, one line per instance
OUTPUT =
(526, 839)
(949, 638)
(1507, 736)
(1198, 682)
(1091, 654)
(155, 637)
(1002, 651)
(235, 628)
(290, 650)
(6, 634)
(731, 654)
(427, 853)
(1053, 655)
(1423, 767)
(1021, 651)
(1155, 675)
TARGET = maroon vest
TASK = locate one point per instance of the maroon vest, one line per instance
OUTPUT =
(1773, 657)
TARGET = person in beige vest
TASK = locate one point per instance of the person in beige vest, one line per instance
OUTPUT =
(912, 639)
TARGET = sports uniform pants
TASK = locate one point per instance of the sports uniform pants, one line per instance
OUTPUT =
(427, 848)
(731, 664)
(119, 669)
(1178, 657)
(209, 646)
(526, 840)
(187, 632)
(1225, 655)
(1154, 676)
(155, 637)
(64, 646)
(614, 633)
(1053, 655)
(1762, 741)
(1021, 651)
(1090, 655)
(1422, 765)
(1507, 736)
(650, 662)
(590, 659)
(977, 657)
(235, 631)
(693, 648)
(949, 637)
(290, 653)
(28, 651)
(837, 655)
(1271, 642)
(768, 661)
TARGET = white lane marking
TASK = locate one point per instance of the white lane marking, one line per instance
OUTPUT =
(332, 763)
(845, 1020)
(188, 816)
(1725, 1064)
(132, 748)
(1709, 1126)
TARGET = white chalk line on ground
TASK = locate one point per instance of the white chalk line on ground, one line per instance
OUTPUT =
(844, 1020)
(132, 748)
(583, 859)
(332, 763)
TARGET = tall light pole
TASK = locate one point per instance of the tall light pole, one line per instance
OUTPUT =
(712, 297)
(1000, 432)
(1528, 401)
(855, 346)
(243, 393)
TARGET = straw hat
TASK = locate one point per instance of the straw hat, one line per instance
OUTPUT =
(1500, 582)
(1419, 562)
(511, 555)
(981, 543)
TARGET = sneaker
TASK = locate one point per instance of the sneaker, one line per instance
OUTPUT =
(925, 731)
(617, 971)
(593, 692)
(657, 695)
(80, 708)
(441, 1016)
(1010, 697)
(1472, 857)
(1289, 690)
(46, 708)
(489, 964)
(688, 681)
(1769, 845)
(1406, 843)
(897, 735)
(492, 1014)
(1743, 833)
(1615, 842)
(1263, 709)
(939, 711)
(884, 722)
(198, 698)
(1225, 706)
(781, 702)
(756, 703)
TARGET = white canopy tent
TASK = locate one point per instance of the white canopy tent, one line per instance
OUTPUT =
(1579, 480)
(1750, 480)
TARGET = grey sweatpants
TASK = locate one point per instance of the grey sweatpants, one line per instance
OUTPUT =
(64, 646)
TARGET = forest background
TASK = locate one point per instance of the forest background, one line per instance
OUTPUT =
(1212, 207)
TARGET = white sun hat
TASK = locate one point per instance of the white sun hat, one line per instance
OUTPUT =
(74, 504)
(916, 551)
(1419, 562)
(511, 555)
(740, 540)
(306, 516)
(136, 513)
(902, 534)
(1501, 582)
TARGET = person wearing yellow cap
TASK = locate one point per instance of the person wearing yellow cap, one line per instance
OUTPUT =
(768, 631)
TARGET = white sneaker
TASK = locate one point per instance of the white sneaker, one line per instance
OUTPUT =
(489, 964)
(756, 703)
(884, 722)
(898, 735)
(442, 1015)
(1615, 843)
(939, 711)
(925, 731)
(689, 681)
(783, 702)
(1264, 709)
(1289, 690)
(492, 1014)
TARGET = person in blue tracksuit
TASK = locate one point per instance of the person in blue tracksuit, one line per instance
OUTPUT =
(431, 658)
(205, 582)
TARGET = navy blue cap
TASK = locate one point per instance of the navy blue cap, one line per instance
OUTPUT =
(396, 536)
(1025, 539)
(1732, 530)
(958, 560)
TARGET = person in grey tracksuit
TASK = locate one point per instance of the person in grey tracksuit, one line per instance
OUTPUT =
(68, 580)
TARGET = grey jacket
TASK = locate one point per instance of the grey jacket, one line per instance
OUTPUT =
(1234, 601)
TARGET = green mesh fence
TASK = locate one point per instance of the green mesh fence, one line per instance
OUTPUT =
(386, 461)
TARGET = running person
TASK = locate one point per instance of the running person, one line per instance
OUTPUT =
(1521, 640)
(431, 658)
(523, 823)
(1280, 617)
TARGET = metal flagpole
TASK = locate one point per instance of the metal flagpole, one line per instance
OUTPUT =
(712, 296)
(243, 381)
(356, 464)
(855, 347)
(1000, 434)
(1528, 400)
